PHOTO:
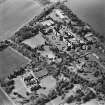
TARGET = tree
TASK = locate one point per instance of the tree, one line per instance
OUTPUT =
(52, 94)
(70, 99)
(97, 73)
(9, 89)
(89, 96)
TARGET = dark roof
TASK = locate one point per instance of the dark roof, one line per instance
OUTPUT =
(41, 73)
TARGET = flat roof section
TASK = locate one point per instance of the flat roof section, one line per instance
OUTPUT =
(40, 74)
(10, 61)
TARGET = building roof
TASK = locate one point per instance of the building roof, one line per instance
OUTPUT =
(59, 13)
(41, 73)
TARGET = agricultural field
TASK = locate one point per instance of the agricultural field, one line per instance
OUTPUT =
(10, 61)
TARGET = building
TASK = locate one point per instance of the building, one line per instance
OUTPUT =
(29, 80)
(47, 23)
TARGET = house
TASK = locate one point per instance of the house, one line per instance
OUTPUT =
(41, 73)
(47, 22)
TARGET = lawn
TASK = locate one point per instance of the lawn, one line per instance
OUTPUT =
(49, 82)
(21, 89)
(10, 61)
(35, 41)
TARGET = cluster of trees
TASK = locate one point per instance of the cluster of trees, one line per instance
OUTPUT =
(19, 72)
(70, 99)
(43, 14)
(18, 95)
(79, 27)
(30, 81)
(8, 85)
(87, 97)
(44, 2)
(92, 67)
(25, 50)
(62, 87)
(66, 10)
(43, 99)
(76, 79)
(53, 70)
(99, 48)
(100, 85)
(102, 60)
(83, 30)
(29, 52)
(36, 87)
(25, 33)
(71, 15)
(100, 37)
(81, 97)
(4, 44)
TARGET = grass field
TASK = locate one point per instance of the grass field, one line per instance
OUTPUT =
(49, 82)
(3, 99)
(10, 61)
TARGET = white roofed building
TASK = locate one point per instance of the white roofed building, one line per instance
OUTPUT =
(60, 13)
(47, 22)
